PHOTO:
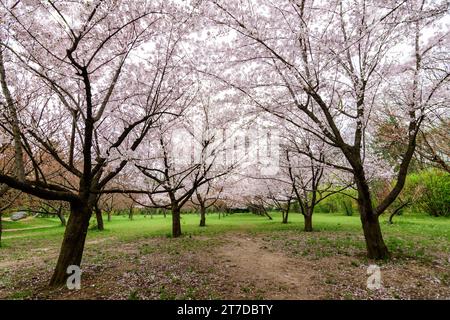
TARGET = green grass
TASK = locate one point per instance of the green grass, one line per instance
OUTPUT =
(408, 232)
(20, 295)
(27, 223)
(337, 241)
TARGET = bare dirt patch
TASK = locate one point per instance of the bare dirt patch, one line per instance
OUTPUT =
(233, 266)
(273, 274)
(343, 267)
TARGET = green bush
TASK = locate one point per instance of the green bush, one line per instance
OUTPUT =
(328, 205)
(347, 205)
(338, 203)
(429, 191)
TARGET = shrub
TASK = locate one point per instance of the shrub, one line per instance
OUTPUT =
(429, 191)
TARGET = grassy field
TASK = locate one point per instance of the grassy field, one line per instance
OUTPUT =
(424, 229)
(334, 252)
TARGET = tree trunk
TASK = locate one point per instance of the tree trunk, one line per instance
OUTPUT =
(62, 219)
(61, 216)
(264, 212)
(202, 216)
(14, 120)
(1, 228)
(397, 211)
(376, 248)
(73, 243)
(98, 215)
(109, 216)
(391, 216)
(285, 216)
(130, 213)
(176, 223)
(308, 222)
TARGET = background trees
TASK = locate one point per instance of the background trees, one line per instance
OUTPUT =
(181, 159)
(205, 197)
(308, 175)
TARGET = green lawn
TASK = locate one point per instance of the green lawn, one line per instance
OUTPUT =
(143, 250)
(28, 223)
(406, 230)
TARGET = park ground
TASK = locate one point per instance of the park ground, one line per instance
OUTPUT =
(240, 256)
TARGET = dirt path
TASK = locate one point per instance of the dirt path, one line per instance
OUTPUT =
(279, 276)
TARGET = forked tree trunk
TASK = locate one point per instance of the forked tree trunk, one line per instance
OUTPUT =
(98, 215)
(176, 223)
(202, 216)
(376, 248)
(72, 247)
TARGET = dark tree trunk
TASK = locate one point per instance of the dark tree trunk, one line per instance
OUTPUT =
(308, 221)
(391, 217)
(176, 223)
(73, 243)
(376, 248)
(264, 212)
(397, 211)
(202, 216)
(98, 215)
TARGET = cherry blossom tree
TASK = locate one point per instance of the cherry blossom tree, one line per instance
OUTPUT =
(7, 197)
(280, 194)
(337, 72)
(205, 197)
(88, 80)
(183, 156)
(311, 180)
